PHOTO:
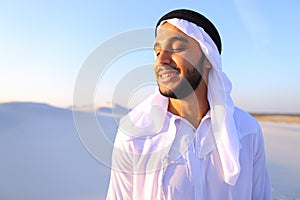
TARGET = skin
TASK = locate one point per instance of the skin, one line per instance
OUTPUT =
(179, 63)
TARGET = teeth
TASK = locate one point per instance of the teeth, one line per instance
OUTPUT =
(166, 75)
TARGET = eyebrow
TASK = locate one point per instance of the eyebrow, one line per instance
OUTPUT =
(173, 39)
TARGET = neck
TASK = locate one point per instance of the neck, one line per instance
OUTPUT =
(193, 107)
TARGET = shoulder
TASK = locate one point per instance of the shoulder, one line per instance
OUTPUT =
(146, 119)
(245, 123)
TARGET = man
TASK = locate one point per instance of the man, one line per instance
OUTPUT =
(187, 140)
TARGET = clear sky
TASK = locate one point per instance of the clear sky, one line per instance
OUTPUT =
(43, 45)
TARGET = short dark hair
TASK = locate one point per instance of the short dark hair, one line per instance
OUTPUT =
(198, 19)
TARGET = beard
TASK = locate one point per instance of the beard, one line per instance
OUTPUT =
(185, 87)
(188, 84)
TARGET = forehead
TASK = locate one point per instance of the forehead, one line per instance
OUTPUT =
(168, 27)
(169, 33)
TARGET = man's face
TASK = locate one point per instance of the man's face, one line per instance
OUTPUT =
(179, 62)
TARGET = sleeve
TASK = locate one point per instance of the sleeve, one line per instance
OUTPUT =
(261, 183)
(121, 177)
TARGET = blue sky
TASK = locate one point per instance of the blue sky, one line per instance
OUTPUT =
(43, 45)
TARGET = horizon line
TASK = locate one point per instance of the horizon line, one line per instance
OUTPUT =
(103, 104)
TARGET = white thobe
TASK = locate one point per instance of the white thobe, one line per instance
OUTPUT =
(167, 164)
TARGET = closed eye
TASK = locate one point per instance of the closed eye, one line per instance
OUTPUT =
(176, 50)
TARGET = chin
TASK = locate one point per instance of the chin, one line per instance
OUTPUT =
(166, 92)
(175, 95)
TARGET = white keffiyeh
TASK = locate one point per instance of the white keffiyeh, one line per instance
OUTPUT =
(221, 105)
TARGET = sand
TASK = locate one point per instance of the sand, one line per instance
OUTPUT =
(282, 144)
(278, 118)
(42, 156)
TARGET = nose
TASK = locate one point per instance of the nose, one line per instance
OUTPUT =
(163, 57)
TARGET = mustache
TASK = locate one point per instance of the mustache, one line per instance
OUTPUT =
(160, 68)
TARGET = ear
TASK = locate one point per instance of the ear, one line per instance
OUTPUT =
(207, 64)
(206, 68)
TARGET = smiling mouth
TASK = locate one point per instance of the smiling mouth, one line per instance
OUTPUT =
(168, 76)
(163, 76)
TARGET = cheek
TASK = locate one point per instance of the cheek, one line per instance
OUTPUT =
(187, 59)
